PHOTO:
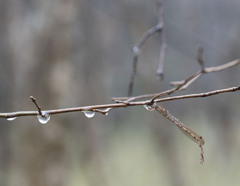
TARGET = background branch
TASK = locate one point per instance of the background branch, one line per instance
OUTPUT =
(163, 43)
(137, 47)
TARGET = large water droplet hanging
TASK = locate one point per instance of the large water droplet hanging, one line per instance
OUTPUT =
(149, 107)
(43, 119)
(89, 113)
(11, 119)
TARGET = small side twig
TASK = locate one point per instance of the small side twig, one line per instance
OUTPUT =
(136, 50)
(38, 107)
(180, 85)
(159, 28)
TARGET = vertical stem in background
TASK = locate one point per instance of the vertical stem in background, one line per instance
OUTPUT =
(162, 36)
(137, 47)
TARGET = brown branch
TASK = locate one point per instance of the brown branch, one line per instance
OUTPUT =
(222, 67)
(35, 102)
(180, 85)
(95, 108)
(136, 50)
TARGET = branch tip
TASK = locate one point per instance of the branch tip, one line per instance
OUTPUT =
(35, 103)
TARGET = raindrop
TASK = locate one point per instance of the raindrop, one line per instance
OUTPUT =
(149, 107)
(135, 49)
(89, 113)
(11, 119)
(44, 118)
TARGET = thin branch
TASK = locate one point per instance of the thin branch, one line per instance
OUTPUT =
(136, 50)
(192, 78)
(146, 36)
(222, 67)
(137, 47)
(38, 107)
(180, 85)
(206, 94)
(95, 108)
(162, 36)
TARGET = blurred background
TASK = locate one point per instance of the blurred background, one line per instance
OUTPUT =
(69, 53)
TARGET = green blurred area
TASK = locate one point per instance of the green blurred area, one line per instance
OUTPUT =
(69, 53)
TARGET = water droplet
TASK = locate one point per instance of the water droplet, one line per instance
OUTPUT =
(11, 119)
(89, 113)
(135, 49)
(43, 119)
(149, 107)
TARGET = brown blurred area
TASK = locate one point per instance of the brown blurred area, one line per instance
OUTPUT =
(69, 53)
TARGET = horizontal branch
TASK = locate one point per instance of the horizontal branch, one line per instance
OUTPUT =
(106, 107)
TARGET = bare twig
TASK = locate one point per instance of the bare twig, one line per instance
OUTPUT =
(180, 85)
(222, 67)
(196, 75)
(137, 47)
(136, 51)
(187, 131)
(116, 105)
(162, 36)
(35, 102)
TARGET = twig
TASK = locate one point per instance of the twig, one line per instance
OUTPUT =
(116, 105)
(136, 50)
(162, 36)
(222, 67)
(180, 85)
(35, 102)
(137, 47)
(187, 131)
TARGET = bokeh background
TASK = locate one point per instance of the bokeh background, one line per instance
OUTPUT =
(69, 53)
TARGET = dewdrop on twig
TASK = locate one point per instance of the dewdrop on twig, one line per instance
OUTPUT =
(44, 118)
(88, 113)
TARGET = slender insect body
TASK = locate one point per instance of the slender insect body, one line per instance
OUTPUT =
(187, 131)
